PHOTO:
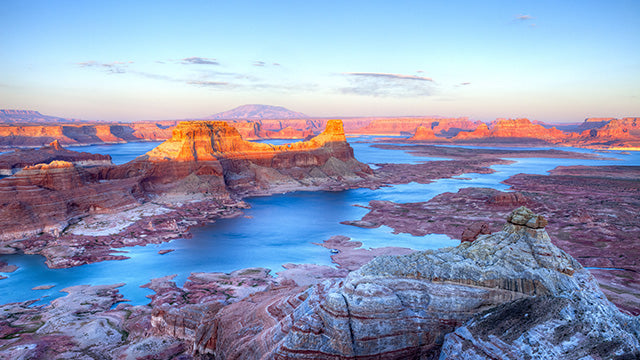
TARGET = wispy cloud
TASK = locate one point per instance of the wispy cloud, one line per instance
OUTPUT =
(210, 84)
(258, 63)
(524, 17)
(195, 60)
(115, 67)
(387, 85)
(389, 76)
(465, 83)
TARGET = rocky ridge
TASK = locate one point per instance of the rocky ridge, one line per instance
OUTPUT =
(513, 128)
(403, 125)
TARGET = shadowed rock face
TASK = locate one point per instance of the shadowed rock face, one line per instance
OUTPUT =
(398, 307)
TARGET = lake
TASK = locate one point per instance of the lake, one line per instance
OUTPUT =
(276, 229)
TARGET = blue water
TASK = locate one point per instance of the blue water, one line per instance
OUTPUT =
(120, 153)
(276, 230)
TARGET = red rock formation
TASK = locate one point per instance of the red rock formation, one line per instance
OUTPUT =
(32, 135)
(482, 131)
(248, 166)
(76, 134)
(423, 133)
(401, 126)
(12, 162)
(47, 197)
(508, 199)
(204, 160)
(474, 230)
(518, 128)
(289, 133)
(615, 129)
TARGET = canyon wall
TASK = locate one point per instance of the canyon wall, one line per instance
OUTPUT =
(404, 126)
(85, 134)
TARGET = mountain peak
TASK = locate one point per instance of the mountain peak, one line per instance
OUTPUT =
(258, 112)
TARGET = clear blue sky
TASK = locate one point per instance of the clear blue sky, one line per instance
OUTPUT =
(555, 61)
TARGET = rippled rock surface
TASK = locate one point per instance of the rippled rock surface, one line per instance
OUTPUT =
(400, 307)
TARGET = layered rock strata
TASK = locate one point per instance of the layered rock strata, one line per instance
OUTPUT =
(12, 162)
(515, 129)
(404, 126)
(47, 197)
(31, 135)
(325, 160)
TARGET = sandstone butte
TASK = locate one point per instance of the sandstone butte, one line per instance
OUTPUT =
(203, 160)
(423, 133)
(12, 162)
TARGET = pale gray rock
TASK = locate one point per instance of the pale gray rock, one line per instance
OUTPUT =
(511, 294)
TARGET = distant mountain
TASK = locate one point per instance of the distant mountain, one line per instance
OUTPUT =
(258, 112)
(30, 117)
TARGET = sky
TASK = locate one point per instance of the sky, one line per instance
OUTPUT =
(553, 61)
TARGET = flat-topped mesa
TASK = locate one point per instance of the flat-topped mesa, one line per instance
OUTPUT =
(249, 165)
(213, 140)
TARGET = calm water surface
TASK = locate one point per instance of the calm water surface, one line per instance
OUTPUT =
(276, 230)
